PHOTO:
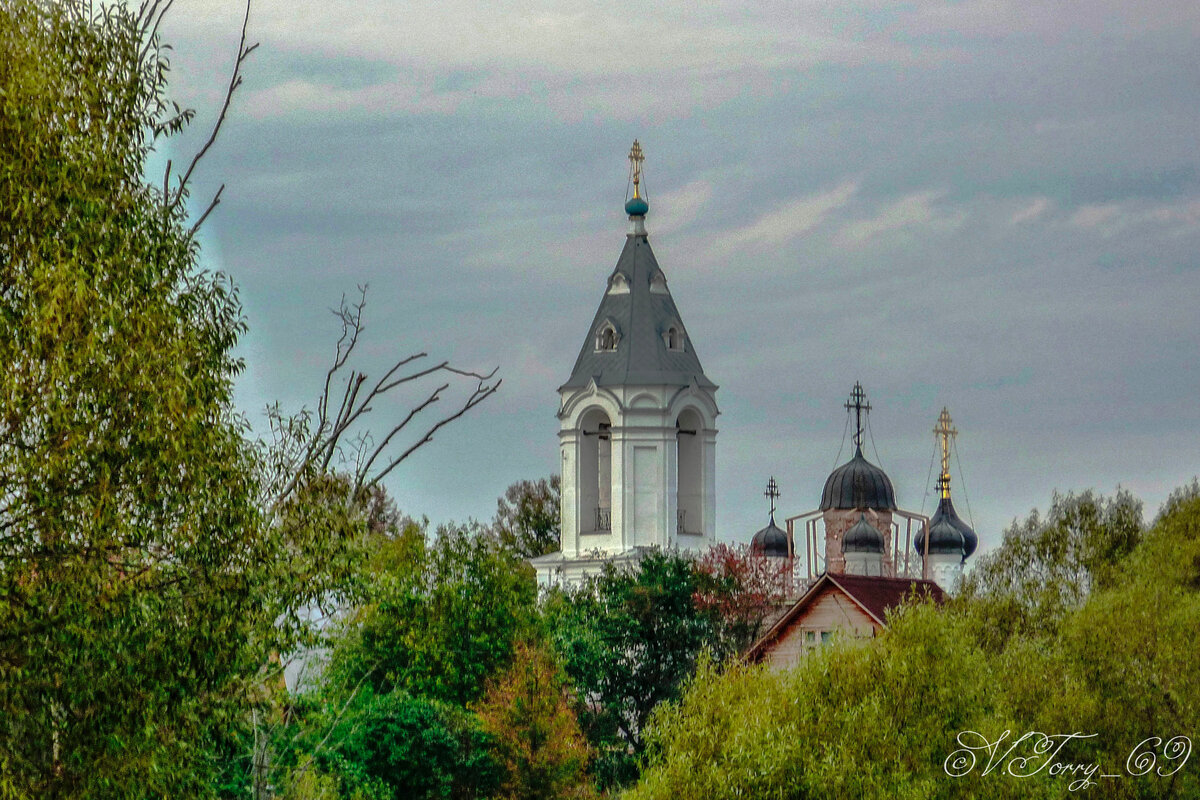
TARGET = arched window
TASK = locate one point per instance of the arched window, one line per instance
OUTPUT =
(689, 500)
(606, 338)
(674, 338)
(595, 473)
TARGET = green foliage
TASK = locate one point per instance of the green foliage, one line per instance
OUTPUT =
(1046, 567)
(441, 620)
(527, 517)
(879, 718)
(629, 639)
(390, 717)
(385, 746)
(852, 720)
(130, 561)
(147, 571)
(537, 737)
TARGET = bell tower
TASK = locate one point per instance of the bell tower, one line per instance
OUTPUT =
(637, 421)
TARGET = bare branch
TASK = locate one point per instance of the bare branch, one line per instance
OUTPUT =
(235, 80)
(366, 467)
(478, 396)
(216, 201)
(334, 426)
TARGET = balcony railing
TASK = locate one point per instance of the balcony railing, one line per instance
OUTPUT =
(603, 519)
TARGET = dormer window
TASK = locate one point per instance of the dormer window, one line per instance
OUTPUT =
(618, 284)
(658, 284)
(673, 337)
(607, 338)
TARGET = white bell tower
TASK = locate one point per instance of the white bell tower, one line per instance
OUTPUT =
(637, 423)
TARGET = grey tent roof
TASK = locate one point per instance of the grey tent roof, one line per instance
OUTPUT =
(641, 318)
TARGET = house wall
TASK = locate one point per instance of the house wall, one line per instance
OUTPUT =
(833, 612)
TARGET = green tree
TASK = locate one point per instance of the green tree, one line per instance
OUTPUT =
(1048, 565)
(879, 718)
(153, 561)
(872, 719)
(441, 617)
(537, 737)
(390, 716)
(394, 746)
(527, 517)
(129, 547)
(629, 638)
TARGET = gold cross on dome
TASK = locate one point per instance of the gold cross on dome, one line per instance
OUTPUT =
(635, 161)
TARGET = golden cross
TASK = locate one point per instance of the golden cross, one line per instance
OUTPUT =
(635, 160)
(945, 431)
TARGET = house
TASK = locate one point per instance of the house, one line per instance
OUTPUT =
(836, 604)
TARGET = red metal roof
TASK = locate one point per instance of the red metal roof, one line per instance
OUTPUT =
(877, 595)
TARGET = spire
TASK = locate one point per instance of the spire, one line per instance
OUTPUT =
(944, 431)
(772, 493)
(858, 403)
(636, 207)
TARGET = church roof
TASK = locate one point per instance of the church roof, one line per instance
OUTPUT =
(639, 309)
(863, 537)
(771, 541)
(947, 532)
(858, 484)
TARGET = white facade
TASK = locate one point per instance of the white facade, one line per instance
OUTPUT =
(638, 468)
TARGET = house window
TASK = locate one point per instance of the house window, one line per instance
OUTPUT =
(815, 639)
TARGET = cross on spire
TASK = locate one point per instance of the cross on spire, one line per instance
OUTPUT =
(945, 431)
(635, 164)
(858, 403)
(772, 493)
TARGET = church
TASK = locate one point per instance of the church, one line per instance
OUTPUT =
(637, 443)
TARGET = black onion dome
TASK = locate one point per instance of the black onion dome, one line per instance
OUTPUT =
(770, 541)
(948, 533)
(863, 537)
(858, 484)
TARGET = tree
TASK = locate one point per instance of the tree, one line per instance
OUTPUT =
(536, 735)
(882, 718)
(152, 558)
(394, 745)
(441, 618)
(128, 516)
(1048, 566)
(872, 719)
(527, 517)
(391, 713)
(743, 589)
(629, 638)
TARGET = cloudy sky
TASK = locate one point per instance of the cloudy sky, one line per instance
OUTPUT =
(988, 205)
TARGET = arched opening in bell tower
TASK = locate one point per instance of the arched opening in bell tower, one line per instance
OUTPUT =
(689, 493)
(595, 466)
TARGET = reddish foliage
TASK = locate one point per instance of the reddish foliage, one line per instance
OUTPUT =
(742, 588)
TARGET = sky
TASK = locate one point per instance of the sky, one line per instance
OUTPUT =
(986, 205)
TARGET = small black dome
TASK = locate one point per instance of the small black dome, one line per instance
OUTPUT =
(948, 533)
(770, 541)
(863, 537)
(858, 484)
